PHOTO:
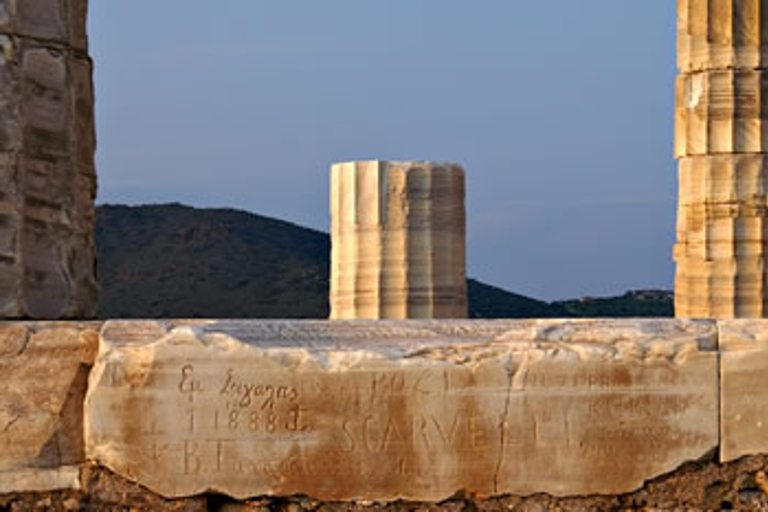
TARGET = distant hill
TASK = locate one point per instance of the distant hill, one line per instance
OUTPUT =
(639, 303)
(174, 261)
(488, 301)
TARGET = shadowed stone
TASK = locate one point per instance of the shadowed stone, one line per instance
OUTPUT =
(47, 173)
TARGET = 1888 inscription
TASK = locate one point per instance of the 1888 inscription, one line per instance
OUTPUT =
(367, 425)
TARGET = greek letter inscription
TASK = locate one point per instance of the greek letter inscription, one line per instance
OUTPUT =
(246, 393)
(188, 385)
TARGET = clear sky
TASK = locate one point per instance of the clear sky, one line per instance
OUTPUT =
(561, 112)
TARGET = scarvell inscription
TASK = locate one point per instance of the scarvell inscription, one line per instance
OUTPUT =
(205, 407)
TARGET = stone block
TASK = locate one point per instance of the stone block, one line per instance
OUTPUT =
(721, 250)
(415, 410)
(726, 179)
(744, 364)
(398, 240)
(721, 34)
(45, 374)
(719, 287)
(721, 111)
(59, 22)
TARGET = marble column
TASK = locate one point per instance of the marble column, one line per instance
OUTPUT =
(47, 173)
(398, 239)
(721, 141)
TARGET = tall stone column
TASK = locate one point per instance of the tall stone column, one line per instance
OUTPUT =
(47, 173)
(721, 141)
(398, 240)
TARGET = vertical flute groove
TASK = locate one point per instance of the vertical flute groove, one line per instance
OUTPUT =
(405, 221)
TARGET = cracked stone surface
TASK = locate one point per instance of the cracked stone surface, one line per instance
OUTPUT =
(44, 368)
(415, 410)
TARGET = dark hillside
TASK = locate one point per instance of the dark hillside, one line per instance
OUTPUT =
(175, 261)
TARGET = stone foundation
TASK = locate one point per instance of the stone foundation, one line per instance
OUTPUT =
(417, 415)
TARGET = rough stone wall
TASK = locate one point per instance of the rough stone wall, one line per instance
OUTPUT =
(47, 173)
(721, 139)
(398, 240)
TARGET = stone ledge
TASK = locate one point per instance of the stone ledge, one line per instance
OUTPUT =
(416, 410)
(379, 411)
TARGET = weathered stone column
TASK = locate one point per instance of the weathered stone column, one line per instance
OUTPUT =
(47, 176)
(721, 140)
(398, 238)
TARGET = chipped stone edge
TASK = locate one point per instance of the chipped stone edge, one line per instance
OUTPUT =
(41, 480)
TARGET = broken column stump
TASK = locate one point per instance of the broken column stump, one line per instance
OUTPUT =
(398, 238)
(721, 137)
(47, 172)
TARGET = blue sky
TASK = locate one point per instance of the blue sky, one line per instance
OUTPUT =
(561, 113)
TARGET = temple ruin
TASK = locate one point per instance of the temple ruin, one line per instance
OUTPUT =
(460, 415)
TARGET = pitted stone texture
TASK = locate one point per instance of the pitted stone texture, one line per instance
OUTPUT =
(47, 173)
(398, 240)
(60, 22)
(414, 410)
(744, 355)
(721, 250)
(45, 376)
(722, 111)
(720, 34)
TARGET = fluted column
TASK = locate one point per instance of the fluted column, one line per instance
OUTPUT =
(721, 141)
(47, 175)
(398, 240)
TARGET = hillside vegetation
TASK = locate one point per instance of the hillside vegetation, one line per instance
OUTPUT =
(175, 261)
